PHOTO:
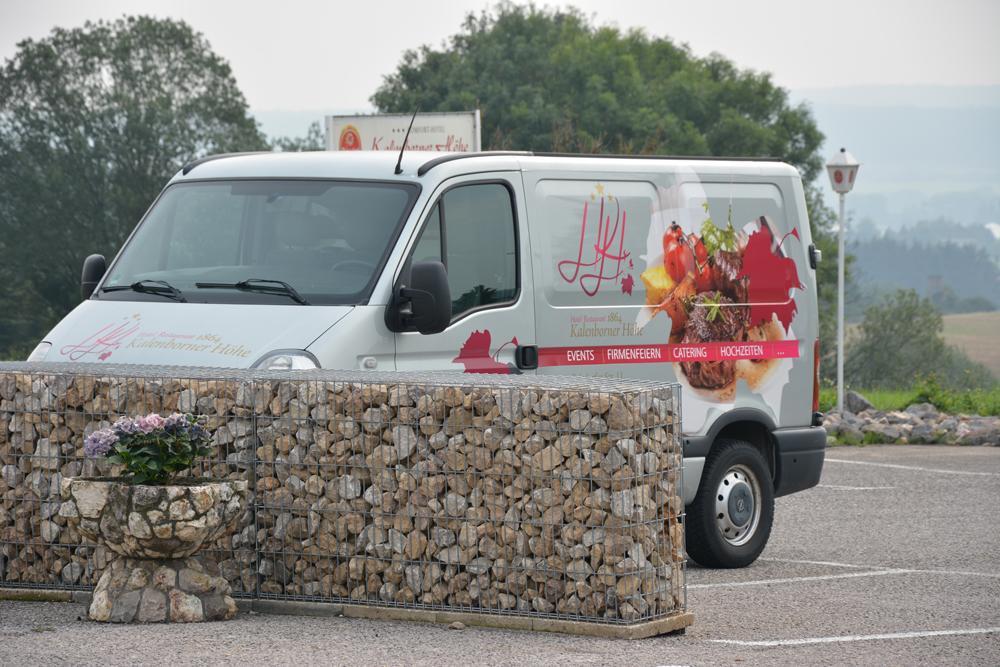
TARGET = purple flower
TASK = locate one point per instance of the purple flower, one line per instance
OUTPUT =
(99, 442)
(125, 426)
(150, 422)
(175, 423)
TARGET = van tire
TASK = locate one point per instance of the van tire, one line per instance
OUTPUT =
(735, 472)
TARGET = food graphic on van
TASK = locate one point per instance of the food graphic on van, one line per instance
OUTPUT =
(103, 342)
(600, 258)
(475, 355)
(727, 294)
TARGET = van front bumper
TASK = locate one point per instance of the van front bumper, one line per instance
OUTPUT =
(799, 454)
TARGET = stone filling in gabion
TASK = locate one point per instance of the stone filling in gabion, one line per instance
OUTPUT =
(529, 499)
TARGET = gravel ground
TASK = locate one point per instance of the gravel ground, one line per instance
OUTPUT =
(874, 550)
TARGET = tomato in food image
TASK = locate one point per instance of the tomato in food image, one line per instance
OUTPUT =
(700, 253)
(673, 234)
(679, 260)
(704, 280)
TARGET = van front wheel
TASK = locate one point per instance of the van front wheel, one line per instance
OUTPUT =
(729, 522)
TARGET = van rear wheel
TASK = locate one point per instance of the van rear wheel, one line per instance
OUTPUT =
(729, 522)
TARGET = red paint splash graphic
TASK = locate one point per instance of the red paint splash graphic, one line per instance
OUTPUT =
(770, 276)
(627, 284)
(476, 357)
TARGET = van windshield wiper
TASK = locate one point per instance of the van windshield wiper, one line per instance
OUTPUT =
(160, 287)
(259, 285)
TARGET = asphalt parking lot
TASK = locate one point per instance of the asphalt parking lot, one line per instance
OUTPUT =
(893, 559)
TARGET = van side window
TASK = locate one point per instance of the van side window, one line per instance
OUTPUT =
(428, 248)
(472, 232)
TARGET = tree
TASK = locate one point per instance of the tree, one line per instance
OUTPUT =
(548, 80)
(93, 122)
(900, 342)
(313, 141)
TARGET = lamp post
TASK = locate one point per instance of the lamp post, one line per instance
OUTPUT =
(842, 168)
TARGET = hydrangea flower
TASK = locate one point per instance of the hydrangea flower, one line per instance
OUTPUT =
(125, 426)
(150, 422)
(100, 442)
(151, 448)
(175, 422)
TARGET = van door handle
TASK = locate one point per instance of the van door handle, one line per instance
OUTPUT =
(526, 357)
(815, 256)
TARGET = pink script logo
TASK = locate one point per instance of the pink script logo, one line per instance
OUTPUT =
(607, 263)
(104, 341)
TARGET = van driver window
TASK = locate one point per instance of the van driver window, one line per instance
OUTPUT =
(471, 230)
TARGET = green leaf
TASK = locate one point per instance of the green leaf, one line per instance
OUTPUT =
(714, 304)
(716, 238)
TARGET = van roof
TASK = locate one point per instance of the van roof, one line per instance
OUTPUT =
(380, 165)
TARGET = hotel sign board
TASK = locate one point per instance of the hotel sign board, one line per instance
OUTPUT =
(450, 131)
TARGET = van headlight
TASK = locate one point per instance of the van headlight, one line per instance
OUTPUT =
(287, 360)
(38, 354)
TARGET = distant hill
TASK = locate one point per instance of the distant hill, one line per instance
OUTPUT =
(957, 276)
(925, 151)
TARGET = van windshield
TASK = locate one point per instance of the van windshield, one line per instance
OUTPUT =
(325, 240)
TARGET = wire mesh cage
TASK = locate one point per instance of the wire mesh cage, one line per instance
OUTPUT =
(536, 496)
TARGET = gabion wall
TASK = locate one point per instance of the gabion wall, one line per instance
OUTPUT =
(553, 497)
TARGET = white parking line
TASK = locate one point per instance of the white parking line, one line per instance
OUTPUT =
(857, 638)
(901, 467)
(827, 563)
(873, 571)
(839, 487)
(795, 580)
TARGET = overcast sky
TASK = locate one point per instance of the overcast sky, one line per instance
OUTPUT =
(327, 55)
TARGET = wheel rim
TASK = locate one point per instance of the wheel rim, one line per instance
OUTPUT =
(737, 505)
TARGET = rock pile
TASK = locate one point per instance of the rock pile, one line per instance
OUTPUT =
(919, 423)
(513, 494)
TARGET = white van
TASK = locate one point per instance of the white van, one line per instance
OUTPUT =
(699, 271)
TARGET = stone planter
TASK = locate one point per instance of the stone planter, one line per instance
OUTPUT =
(156, 530)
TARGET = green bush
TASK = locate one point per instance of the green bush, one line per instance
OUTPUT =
(970, 401)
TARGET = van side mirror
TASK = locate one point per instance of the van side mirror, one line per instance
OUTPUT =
(93, 270)
(424, 302)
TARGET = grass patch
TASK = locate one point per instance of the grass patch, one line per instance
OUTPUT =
(845, 439)
(952, 401)
(970, 401)
(976, 335)
(882, 399)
